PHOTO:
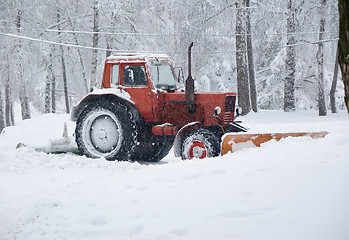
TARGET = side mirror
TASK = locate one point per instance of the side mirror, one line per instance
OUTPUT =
(180, 74)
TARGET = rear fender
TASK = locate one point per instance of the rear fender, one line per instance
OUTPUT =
(181, 134)
(90, 98)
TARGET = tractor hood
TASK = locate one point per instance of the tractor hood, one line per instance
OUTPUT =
(177, 111)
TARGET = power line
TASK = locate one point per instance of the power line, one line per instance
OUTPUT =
(162, 34)
(56, 43)
(119, 50)
(284, 46)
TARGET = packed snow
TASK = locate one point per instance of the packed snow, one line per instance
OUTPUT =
(294, 189)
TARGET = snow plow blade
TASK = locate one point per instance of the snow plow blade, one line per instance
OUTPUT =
(235, 142)
(64, 144)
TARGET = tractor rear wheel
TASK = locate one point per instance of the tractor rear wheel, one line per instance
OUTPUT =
(152, 149)
(200, 144)
(106, 129)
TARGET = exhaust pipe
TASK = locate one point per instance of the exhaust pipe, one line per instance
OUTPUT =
(189, 83)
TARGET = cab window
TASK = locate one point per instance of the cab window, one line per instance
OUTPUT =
(162, 75)
(114, 75)
(134, 75)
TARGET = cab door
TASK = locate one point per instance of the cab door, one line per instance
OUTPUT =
(135, 82)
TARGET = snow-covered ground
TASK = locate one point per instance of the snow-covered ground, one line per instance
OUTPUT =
(295, 189)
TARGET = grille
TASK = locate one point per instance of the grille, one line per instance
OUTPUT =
(229, 109)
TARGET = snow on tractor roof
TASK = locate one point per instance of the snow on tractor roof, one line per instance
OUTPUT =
(142, 57)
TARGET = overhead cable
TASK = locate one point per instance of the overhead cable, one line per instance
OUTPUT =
(163, 34)
(119, 50)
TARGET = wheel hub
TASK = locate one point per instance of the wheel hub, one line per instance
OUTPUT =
(197, 150)
(104, 134)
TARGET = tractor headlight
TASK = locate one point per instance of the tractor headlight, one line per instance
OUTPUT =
(217, 111)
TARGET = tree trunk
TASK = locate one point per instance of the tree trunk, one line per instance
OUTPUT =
(48, 84)
(53, 94)
(320, 64)
(2, 119)
(334, 85)
(343, 52)
(8, 100)
(289, 88)
(23, 97)
(20, 75)
(47, 95)
(65, 82)
(64, 71)
(51, 73)
(241, 59)
(94, 44)
(253, 90)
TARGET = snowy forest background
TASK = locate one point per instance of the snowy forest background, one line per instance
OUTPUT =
(42, 70)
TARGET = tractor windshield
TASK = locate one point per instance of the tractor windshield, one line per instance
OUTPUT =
(162, 75)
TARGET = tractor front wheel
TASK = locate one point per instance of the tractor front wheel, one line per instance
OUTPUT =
(200, 143)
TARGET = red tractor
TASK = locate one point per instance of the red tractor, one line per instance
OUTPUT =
(140, 112)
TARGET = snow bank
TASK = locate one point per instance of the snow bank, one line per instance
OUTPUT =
(292, 189)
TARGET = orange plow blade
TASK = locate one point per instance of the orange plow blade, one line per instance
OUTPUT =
(235, 142)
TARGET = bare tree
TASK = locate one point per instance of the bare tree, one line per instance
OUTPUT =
(251, 75)
(95, 43)
(64, 70)
(320, 63)
(65, 81)
(2, 73)
(9, 118)
(289, 87)
(334, 85)
(2, 119)
(6, 115)
(241, 58)
(53, 94)
(48, 95)
(23, 96)
(343, 54)
(51, 74)
(48, 88)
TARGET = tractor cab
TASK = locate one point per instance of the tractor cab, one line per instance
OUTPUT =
(140, 71)
(146, 78)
